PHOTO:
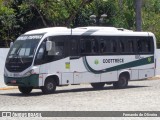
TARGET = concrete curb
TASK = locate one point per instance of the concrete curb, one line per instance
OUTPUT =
(9, 88)
(157, 77)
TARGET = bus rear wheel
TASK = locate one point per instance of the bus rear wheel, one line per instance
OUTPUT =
(121, 83)
(25, 90)
(97, 85)
(49, 86)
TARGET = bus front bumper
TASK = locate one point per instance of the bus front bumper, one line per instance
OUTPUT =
(29, 81)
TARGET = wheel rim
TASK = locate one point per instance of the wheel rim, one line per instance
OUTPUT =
(50, 86)
(123, 81)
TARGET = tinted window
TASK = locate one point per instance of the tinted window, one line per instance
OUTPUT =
(103, 46)
(130, 45)
(122, 45)
(88, 45)
(126, 45)
(57, 52)
(113, 44)
(145, 45)
(74, 46)
(58, 49)
(107, 44)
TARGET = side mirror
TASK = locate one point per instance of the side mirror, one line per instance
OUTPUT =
(48, 45)
(11, 44)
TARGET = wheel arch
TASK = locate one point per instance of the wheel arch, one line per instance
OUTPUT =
(54, 77)
(125, 73)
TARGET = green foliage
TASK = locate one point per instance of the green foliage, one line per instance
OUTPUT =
(19, 16)
(151, 17)
(7, 22)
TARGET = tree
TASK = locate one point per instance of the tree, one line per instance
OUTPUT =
(7, 22)
(151, 17)
(19, 16)
(138, 4)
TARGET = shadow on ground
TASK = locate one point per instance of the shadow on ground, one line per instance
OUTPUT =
(70, 91)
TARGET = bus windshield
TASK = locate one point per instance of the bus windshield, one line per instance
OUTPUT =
(23, 48)
(22, 52)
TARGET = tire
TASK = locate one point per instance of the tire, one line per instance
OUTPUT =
(121, 83)
(25, 90)
(97, 85)
(49, 86)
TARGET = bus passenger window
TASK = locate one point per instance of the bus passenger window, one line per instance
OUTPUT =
(122, 47)
(148, 45)
(94, 46)
(144, 46)
(102, 47)
(74, 48)
(113, 46)
(130, 46)
(139, 45)
(86, 46)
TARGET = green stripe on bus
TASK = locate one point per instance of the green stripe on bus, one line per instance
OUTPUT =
(140, 62)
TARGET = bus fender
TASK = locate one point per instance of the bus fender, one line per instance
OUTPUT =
(56, 77)
(124, 72)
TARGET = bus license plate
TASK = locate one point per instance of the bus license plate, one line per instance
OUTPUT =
(13, 81)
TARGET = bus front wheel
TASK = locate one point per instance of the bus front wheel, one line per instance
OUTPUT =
(121, 83)
(25, 90)
(97, 85)
(49, 86)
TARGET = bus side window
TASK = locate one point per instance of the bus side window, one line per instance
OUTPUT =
(88, 46)
(122, 46)
(130, 45)
(74, 48)
(148, 45)
(102, 46)
(85, 46)
(58, 50)
(40, 57)
(94, 46)
(139, 45)
(113, 45)
(144, 45)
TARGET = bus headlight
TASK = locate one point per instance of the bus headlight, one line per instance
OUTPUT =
(28, 73)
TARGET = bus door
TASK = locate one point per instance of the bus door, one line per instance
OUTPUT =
(62, 60)
(60, 64)
(55, 61)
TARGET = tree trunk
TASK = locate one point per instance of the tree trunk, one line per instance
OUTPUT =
(138, 5)
(41, 16)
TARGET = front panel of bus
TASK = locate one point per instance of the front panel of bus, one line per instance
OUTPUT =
(19, 61)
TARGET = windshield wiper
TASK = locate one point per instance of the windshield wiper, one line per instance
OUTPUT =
(21, 59)
(16, 55)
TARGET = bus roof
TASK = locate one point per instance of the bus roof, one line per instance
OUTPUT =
(46, 30)
(90, 30)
